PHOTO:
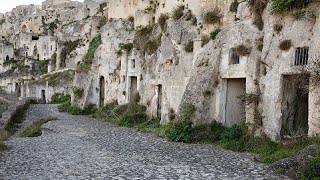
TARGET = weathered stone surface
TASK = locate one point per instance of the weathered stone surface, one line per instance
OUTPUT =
(243, 11)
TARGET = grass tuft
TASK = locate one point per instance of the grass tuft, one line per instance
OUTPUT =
(35, 129)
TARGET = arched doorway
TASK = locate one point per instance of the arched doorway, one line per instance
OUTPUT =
(102, 91)
(7, 58)
(18, 90)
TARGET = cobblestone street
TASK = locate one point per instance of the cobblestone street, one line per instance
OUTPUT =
(76, 147)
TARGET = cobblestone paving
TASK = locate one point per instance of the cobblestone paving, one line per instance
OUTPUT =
(82, 148)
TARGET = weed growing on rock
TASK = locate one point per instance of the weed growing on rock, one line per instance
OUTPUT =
(163, 21)
(214, 34)
(93, 46)
(285, 45)
(212, 17)
(178, 12)
(234, 6)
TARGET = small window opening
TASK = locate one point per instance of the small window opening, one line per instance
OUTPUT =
(301, 56)
(234, 56)
(133, 63)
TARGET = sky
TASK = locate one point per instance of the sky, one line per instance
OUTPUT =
(8, 5)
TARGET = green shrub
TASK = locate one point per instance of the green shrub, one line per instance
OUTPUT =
(44, 67)
(132, 119)
(67, 107)
(119, 53)
(188, 111)
(214, 34)
(177, 131)
(216, 130)
(64, 107)
(178, 12)
(68, 47)
(212, 17)
(205, 40)
(16, 120)
(53, 26)
(234, 6)
(231, 134)
(131, 19)
(189, 47)
(152, 45)
(260, 47)
(163, 21)
(9, 62)
(277, 28)
(312, 170)
(59, 98)
(151, 124)
(285, 45)
(283, 6)
(56, 78)
(299, 14)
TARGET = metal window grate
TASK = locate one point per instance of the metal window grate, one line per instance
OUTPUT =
(301, 56)
(235, 58)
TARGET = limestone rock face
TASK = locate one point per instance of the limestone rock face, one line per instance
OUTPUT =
(243, 11)
(201, 56)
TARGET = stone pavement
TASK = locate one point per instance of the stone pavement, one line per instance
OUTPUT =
(77, 147)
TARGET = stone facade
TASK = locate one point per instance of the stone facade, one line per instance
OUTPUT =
(243, 75)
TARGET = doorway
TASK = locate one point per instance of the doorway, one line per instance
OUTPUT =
(235, 111)
(43, 97)
(133, 88)
(295, 105)
(102, 91)
(18, 90)
(159, 101)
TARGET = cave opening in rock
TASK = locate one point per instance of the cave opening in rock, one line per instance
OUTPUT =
(295, 105)
(102, 91)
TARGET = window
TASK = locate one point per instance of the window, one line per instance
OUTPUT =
(234, 56)
(133, 63)
(301, 56)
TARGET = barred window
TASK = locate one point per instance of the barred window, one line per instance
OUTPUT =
(301, 56)
(234, 56)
